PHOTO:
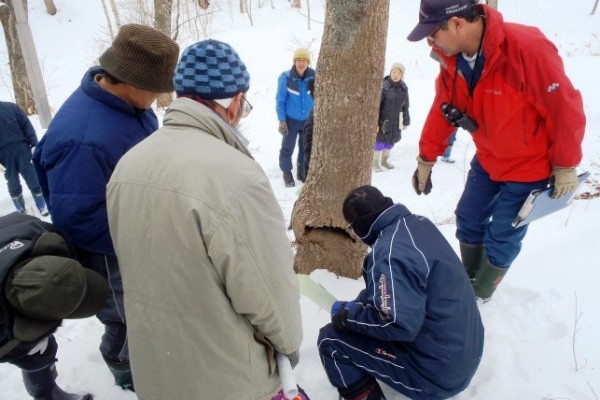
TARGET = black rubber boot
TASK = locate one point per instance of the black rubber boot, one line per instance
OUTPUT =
(365, 389)
(288, 179)
(121, 370)
(473, 256)
(41, 385)
(487, 280)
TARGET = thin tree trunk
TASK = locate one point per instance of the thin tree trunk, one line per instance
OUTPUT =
(594, 8)
(347, 97)
(308, 13)
(20, 80)
(108, 21)
(115, 11)
(162, 21)
(50, 7)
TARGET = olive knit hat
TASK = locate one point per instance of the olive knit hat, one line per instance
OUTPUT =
(301, 52)
(143, 57)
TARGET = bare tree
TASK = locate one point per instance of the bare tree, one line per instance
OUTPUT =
(346, 108)
(594, 8)
(163, 10)
(115, 11)
(108, 21)
(20, 80)
(50, 7)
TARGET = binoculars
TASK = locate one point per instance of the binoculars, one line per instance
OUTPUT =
(458, 118)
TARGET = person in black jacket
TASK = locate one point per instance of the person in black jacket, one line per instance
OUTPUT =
(415, 326)
(17, 138)
(394, 100)
(41, 283)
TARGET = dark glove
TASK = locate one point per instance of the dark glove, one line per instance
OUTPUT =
(339, 315)
(421, 179)
(294, 358)
(565, 181)
(283, 129)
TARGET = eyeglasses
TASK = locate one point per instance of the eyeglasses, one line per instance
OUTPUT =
(246, 107)
(431, 36)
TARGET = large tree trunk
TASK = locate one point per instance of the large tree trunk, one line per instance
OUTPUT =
(162, 22)
(50, 7)
(18, 73)
(347, 93)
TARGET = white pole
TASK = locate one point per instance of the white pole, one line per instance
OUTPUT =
(288, 382)
(32, 64)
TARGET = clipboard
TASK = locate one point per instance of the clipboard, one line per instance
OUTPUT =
(539, 203)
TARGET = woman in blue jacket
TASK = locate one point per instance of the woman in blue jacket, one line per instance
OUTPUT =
(416, 325)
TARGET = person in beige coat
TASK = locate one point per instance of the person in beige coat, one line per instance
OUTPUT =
(210, 291)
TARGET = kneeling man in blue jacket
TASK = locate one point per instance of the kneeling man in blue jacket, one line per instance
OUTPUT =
(415, 326)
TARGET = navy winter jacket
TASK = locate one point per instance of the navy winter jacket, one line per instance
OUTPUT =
(394, 100)
(418, 295)
(77, 155)
(294, 99)
(15, 126)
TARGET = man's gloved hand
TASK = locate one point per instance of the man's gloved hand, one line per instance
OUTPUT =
(283, 129)
(565, 181)
(339, 314)
(421, 179)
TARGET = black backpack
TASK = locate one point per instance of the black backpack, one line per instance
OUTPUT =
(22, 237)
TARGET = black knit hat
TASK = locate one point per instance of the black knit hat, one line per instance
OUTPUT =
(211, 70)
(143, 57)
(46, 289)
(362, 206)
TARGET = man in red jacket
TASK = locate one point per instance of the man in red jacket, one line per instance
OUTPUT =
(504, 83)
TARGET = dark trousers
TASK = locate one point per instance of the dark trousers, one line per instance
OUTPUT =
(294, 136)
(347, 357)
(37, 361)
(16, 158)
(114, 340)
(485, 213)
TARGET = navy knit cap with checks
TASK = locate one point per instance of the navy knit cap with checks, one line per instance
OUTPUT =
(211, 70)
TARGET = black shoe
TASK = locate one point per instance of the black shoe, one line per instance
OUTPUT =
(288, 178)
(41, 385)
(300, 174)
(365, 389)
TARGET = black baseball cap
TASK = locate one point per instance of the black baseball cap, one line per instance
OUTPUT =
(433, 12)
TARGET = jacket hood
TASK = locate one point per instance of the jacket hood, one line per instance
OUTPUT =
(190, 113)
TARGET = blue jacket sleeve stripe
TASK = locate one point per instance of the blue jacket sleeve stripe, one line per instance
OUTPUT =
(416, 247)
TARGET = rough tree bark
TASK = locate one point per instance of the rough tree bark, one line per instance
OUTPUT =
(50, 7)
(20, 80)
(203, 4)
(162, 22)
(296, 3)
(346, 108)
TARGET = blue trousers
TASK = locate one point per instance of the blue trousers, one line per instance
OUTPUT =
(451, 141)
(347, 357)
(16, 158)
(114, 340)
(485, 213)
(288, 143)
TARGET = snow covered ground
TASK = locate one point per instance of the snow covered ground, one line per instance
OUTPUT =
(543, 324)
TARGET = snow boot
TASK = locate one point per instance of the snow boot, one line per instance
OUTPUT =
(40, 204)
(19, 202)
(385, 155)
(472, 256)
(301, 395)
(300, 175)
(376, 158)
(121, 370)
(41, 385)
(288, 179)
(447, 160)
(365, 389)
(487, 280)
